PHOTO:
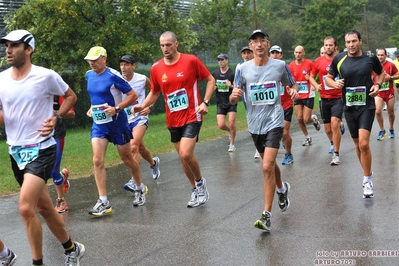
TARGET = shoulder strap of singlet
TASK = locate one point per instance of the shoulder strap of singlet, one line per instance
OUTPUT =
(340, 64)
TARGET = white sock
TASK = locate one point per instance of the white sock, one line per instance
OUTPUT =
(4, 253)
(104, 199)
(366, 179)
(282, 189)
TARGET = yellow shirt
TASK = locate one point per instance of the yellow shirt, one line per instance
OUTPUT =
(396, 62)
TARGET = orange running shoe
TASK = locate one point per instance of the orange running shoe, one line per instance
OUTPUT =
(65, 174)
(61, 206)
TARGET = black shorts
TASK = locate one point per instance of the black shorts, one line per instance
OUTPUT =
(190, 130)
(331, 108)
(222, 110)
(361, 118)
(288, 114)
(42, 166)
(270, 140)
(309, 102)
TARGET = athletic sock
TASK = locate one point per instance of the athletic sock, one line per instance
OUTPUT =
(37, 262)
(69, 246)
(104, 199)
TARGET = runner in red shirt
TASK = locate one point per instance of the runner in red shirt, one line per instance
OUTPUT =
(286, 101)
(177, 75)
(300, 69)
(386, 94)
(331, 107)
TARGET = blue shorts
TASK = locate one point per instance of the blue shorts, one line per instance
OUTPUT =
(117, 133)
(138, 122)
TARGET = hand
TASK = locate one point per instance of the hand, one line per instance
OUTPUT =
(145, 111)
(48, 126)
(88, 113)
(293, 93)
(137, 108)
(374, 90)
(235, 95)
(202, 109)
(111, 111)
(339, 83)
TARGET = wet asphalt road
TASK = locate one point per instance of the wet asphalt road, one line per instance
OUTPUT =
(327, 218)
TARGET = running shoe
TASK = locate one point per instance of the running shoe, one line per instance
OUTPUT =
(257, 155)
(9, 260)
(203, 195)
(385, 108)
(316, 122)
(193, 199)
(391, 133)
(264, 222)
(283, 201)
(65, 175)
(288, 159)
(130, 186)
(72, 259)
(381, 135)
(61, 206)
(342, 128)
(139, 196)
(368, 191)
(307, 142)
(155, 169)
(335, 160)
(232, 148)
(101, 209)
(331, 150)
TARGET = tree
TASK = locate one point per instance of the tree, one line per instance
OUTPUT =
(395, 31)
(280, 21)
(328, 17)
(220, 22)
(66, 29)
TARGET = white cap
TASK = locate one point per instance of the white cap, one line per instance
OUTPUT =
(18, 36)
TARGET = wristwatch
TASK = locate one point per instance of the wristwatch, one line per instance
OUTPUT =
(206, 102)
(117, 109)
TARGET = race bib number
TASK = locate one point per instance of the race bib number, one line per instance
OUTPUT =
(355, 96)
(98, 114)
(326, 87)
(24, 154)
(129, 111)
(282, 90)
(303, 87)
(177, 100)
(384, 86)
(264, 93)
(222, 85)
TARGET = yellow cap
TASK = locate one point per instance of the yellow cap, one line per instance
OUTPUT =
(95, 52)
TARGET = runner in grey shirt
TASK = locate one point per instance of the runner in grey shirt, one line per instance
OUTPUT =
(259, 84)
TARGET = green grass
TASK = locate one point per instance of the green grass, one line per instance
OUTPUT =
(78, 154)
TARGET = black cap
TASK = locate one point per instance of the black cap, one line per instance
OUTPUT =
(245, 48)
(261, 32)
(222, 56)
(128, 58)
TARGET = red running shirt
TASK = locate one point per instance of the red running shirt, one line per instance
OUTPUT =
(320, 67)
(298, 73)
(179, 84)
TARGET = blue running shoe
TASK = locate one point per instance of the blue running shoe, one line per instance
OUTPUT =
(391, 133)
(342, 128)
(331, 150)
(130, 186)
(381, 135)
(288, 159)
